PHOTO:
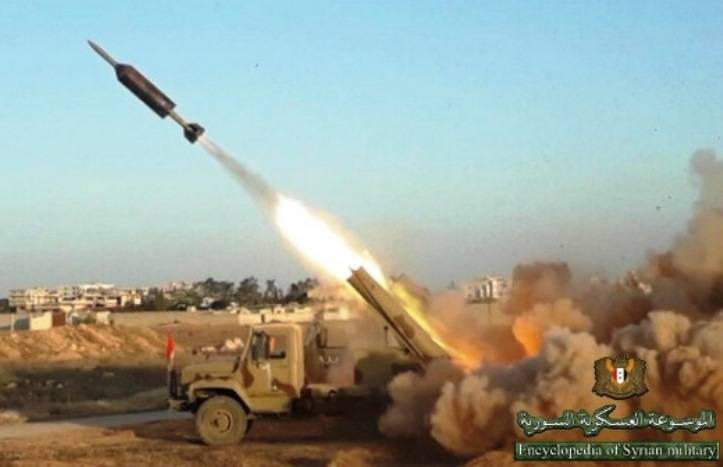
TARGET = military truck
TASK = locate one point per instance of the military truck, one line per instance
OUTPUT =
(274, 373)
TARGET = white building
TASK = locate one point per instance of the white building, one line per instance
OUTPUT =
(34, 299)
(175, 286)
(74, 298)
(486, 289)
(33, 321)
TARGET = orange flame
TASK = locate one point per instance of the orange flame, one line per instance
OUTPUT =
(528, 335)
(466, 356)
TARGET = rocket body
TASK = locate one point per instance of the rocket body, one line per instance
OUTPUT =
(149, 93)
(144, 90)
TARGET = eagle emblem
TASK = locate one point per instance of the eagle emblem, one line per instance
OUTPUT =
(621, 377)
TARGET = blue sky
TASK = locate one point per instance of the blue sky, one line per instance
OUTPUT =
(453, 138)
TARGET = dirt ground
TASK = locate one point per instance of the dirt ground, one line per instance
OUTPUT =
(318, 441)
(93, 370)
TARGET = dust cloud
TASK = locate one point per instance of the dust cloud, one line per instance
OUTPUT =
(538, 356)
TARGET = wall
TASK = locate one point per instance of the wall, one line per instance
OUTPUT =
(155, 318)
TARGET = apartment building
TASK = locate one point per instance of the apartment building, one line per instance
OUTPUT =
(486, 289)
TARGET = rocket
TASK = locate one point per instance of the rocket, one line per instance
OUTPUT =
(146, 91)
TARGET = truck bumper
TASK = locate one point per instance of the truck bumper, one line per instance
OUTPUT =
(176, 398)
(180, 405)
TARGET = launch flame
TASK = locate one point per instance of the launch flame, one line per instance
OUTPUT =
(317, 242)
(464, 356)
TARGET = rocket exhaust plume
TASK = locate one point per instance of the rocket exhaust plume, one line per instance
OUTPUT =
(315, 240)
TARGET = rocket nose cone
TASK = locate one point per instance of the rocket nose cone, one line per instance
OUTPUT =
(99, 50)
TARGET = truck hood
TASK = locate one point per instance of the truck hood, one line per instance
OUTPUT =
(206, 370)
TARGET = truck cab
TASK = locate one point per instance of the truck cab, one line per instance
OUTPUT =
(227, 393)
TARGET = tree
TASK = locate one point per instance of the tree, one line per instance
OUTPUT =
(299, 291)
(160, 303)
(155, 300)
(219, 305)
(219, 290)
(247, 292)
(272, 294)
(185, 297)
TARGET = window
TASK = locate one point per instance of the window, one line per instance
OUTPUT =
(265, 347)
(277, 347)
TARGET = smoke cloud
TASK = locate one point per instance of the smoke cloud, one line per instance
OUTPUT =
(539, 355)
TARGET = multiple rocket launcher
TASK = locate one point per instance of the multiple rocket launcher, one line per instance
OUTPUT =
(410, 335)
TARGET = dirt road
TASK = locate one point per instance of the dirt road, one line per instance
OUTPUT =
(37, 429)
(317, 441)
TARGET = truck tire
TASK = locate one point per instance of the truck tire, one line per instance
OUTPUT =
(221, 421)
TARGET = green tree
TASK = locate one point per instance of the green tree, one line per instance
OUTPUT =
(272, 294)
(160, 303)
(218, 290)
(155, 300)
(185, 297)
(248, 292)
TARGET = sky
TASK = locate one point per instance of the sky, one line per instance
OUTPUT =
(454, 139)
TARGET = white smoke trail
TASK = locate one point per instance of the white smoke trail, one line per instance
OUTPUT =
(256, 186)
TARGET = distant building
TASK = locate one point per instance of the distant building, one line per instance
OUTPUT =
(486, 289)
(33, 321)
(175, 286)
(632, 280)
(34, 299)
(74, 298)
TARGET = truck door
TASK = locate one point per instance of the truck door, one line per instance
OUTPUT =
(270, 367)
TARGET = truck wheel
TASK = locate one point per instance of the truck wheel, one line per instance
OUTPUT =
(221, 421)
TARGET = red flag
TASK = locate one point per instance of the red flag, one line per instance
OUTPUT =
(170, 349)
